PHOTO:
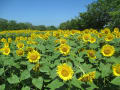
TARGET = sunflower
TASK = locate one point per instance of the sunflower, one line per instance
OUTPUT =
(20, 52)
(116, 30)
(64, 49)
(91, 54)
(65, 72)
(3, 40)
(9, 40)
(116, 69)
(6, 44)
(107, 50)
(109, 37)
(105, 31)
(6, 50)
(62, 41)
(88, 77)
(92, 40)
(33, 56)
(86, 37)
(20, 45)
(36, 67)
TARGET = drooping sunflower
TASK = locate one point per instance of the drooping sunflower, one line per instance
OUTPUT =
(91, 54)
(33, 56)
(64, 49)
(107, 50)
(65, 72)
(116, 69)
(6, 50)
(20, 45)
(20, 52)
(88, 77)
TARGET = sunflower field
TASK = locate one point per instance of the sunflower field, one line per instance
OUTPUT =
(60, 60)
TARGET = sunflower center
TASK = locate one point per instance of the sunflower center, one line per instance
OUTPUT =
(65, 73)
(21, 45)
(6, 50)
(20, 52)
(107, 51)
(86, 37)
(33, 57)
(64, 49)
(91, 54)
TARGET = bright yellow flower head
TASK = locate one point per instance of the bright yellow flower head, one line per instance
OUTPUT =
(33, 56)
(6, 44)
(6, 50)
(86, 37)
(116, 30)
(64, 49)
(9, 40)
(62, 41)
(91, 54)
(88, 77)
(92, 40)
(107, 50)
(20, 52)
(116, 69)
(20, 45)
(109, 37)
(65, 72)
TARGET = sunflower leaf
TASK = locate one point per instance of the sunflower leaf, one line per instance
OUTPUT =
(116, 81)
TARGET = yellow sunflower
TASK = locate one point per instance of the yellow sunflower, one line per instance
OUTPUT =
(33, 56)
(86, 37)
(20, 52)
(65, 72)
(62, 41)
(109, 37)
(88, 77)
(6, 44)
(107, 50)
(20, 45)
(91, 54)
(64, 49)
(6, 50)
(92, 40)
(116, 69)
(9, 40)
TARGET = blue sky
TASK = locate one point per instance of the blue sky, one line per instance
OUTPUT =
(42, 12)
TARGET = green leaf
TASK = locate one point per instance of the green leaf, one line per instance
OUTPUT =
(106, 69)
(30, 66)
(26, 88)
(2, 87)
(14, 79)
(116, 81)
(1, 71)
(24, 75)
(38, 82)
(55, 84)
(92, 86)
(44, 68)
(75, 82)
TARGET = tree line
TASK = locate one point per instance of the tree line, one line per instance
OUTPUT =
(13, 25)
(99, 14)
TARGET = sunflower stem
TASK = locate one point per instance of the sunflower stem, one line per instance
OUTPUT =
(81, 69)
